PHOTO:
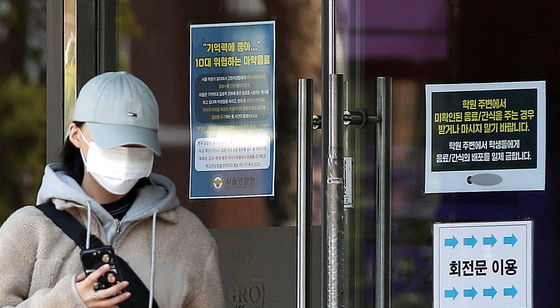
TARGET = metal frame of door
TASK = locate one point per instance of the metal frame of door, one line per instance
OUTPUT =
(333, 193)
(96, 53)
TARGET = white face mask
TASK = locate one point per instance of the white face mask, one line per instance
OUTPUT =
(118, 169)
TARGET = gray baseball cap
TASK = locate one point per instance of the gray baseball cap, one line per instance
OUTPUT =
(119, 109)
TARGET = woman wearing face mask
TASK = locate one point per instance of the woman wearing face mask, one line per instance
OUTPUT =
(106, 176)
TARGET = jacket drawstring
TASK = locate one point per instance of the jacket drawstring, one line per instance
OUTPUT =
(88, 229)
(153, 257)
(153, 260)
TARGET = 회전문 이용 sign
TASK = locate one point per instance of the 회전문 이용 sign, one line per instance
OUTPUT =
(232, 110)
(485, 137)
(483, 265)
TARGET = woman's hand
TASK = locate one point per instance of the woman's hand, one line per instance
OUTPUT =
(101, 298)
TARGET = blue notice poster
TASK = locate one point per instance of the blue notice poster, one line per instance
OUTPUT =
(232, 110)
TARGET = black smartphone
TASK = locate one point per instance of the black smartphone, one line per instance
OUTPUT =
(94, 258)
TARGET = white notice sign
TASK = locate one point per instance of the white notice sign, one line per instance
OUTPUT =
(485, 137)
(483, 265)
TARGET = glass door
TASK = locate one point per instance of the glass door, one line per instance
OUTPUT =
(256, 236)
(440, 42)
(415, 44)
(151, 39)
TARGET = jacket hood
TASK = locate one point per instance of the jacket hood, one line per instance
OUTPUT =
(157, 197)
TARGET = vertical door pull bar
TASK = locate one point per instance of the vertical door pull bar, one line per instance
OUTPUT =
(361, 118)
(304, 192)
(333, 195)
(383, 204)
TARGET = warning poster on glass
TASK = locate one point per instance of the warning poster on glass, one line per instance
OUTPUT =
(232, 110)
(485, 137)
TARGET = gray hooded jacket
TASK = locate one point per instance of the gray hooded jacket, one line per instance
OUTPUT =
(40, 263)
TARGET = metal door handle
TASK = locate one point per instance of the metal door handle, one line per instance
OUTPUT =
(304, 192)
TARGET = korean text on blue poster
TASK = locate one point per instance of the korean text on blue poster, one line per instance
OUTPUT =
(232, 110)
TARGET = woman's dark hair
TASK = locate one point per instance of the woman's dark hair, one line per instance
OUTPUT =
(71, 159)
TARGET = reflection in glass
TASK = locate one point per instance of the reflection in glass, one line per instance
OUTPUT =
(155, 47)
(70, 34)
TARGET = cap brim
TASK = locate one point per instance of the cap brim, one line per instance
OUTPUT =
(114, 135)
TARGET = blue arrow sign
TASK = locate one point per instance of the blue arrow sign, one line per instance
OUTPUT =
(511, 240)
(490, 240)
(470, 293)
(510, 291)
(451, 242)
(451, 293)
(490, 292)
(470, 241)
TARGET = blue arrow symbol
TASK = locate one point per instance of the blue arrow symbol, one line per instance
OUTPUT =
(510, 240)
(470, 293)
(490, 292)
(490, 240)
(510, 291)
(451, 293)
(451, 242)
(470, 241)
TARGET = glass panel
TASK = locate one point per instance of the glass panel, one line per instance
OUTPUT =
(155, 47)
(154, 44)
(439, 41)
(22, 102)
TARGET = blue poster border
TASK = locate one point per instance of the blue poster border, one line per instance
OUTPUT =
(223, 56)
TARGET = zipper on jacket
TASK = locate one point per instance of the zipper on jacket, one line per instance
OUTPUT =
(119, 225)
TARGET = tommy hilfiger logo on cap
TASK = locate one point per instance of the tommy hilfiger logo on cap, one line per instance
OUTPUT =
(132, 114)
